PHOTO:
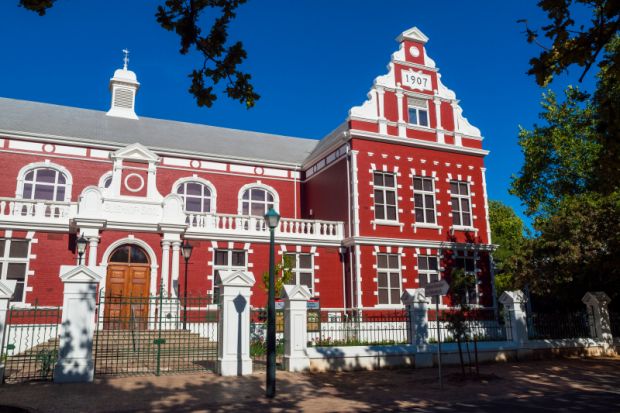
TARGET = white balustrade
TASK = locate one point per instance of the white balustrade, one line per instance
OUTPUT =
(289, 227)
(34, 210)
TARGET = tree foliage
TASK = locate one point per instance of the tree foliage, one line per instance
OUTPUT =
(572, 42)
(283, 275)
(507, 232)
(569, 181)
(221, 61)
(559, 155)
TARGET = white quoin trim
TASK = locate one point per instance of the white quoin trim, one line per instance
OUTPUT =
(208, 184)
(19, 190)
(133, 241)
(258, 184)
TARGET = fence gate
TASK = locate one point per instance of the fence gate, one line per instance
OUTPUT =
(29, 347)
(258, 339)
(155, 335)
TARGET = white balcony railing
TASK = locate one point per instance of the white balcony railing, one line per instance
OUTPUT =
(36, 211)
(249, 225)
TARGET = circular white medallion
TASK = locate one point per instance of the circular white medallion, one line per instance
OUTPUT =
(137, 179)
(259, 171)
(414, 51)
(194, 164)
(49, 148)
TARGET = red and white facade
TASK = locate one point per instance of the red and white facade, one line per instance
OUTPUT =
(393, 198)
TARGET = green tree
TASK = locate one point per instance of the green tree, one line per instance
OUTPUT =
(569, 180)
(221, 60)
(283, 273)
(506, 231)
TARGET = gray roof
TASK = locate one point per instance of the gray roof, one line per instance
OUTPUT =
(85, 125)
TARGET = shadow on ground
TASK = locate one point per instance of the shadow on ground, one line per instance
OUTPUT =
(384, 390)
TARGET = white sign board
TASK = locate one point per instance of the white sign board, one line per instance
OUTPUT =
(437, 288)
(416, 80)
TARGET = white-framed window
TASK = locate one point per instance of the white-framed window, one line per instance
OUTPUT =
(197, 196)
(418, 112)
(386, 207)
(424, 199)
(388, 279)
(428, 271)
(461, 203)
(467, 261)
(256, 201)
(227, 260)
(303, 269)
(14, 255)
(44, 184)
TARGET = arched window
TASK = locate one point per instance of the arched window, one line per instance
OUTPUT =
(257, 201)
(129, 254)
(106, 180)
(46, 184)
(197, 196)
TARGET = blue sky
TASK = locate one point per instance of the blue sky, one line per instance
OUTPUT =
(310, 61)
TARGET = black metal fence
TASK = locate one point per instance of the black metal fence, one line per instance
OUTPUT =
(29, 347)
(559, 325)
(155, 335)
(339, 328)
(471, 325)
(258, 338)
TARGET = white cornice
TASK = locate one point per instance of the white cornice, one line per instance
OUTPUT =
(403, 242)
(416, 65)
(160, 151)
(417, 143)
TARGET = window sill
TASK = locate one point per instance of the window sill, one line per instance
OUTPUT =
(462, 228)
(387, 223)
(429, 226)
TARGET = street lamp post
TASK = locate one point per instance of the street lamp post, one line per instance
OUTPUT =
(186, 249)
(272, 218)
(81, 247)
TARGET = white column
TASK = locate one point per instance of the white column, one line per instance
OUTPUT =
(381, 100)
(296, 327)
(515, 316)
(165, 265)
(75, 356)
(599, 319)
(440, 135)
(417, 305)
(93, 243)
(233, 354)
(7, 287)
(401, 123)
(176, 248)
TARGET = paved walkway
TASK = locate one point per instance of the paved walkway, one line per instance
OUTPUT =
(557, 385)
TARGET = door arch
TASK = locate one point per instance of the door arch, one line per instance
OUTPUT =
(127, 287)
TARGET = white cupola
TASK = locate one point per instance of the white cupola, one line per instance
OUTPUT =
(124, 86)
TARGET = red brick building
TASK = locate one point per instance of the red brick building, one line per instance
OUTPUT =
(392, 199)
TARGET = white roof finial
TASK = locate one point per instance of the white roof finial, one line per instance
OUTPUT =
(125, 59)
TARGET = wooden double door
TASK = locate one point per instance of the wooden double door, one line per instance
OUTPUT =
(126, 293)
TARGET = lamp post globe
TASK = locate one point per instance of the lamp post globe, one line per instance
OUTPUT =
(186, 250)
(272, 218)
(81, 247)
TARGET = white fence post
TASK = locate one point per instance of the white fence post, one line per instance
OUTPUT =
(417, 305)
(600, 325)
(296, 327)
(75, 355)
(233, 331)
(7, 287)
(515, 316)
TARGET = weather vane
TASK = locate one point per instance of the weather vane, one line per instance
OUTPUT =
(126, 58)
